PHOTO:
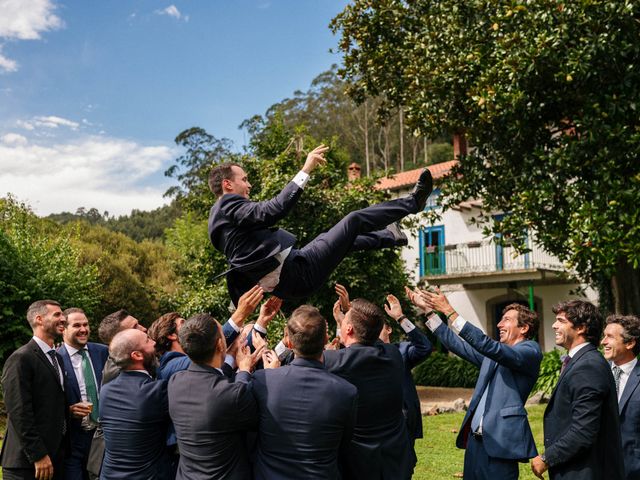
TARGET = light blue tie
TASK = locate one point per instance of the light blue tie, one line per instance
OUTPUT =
(478, 414)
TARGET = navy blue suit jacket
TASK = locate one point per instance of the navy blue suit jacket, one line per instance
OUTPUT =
(306, 415)
(380, 447)
(629, 408)
(211, 415)
(244, 231)
(99, 354)
(510, 372)
(413, 352)
(581, 423)
(134, 415)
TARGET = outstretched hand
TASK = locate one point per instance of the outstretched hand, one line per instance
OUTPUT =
(393, 309)
(268, 311)
(417, 299)
(343, 296)
(315, 158)
(247, 304)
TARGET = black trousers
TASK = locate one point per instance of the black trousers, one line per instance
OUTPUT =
(307, 268)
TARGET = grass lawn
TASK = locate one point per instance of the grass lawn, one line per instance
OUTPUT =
(438, 457)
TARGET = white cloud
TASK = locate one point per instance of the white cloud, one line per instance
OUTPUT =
(26, 19)
(13, 139)
(6, 63)
(54, 122)
(173, 11)
(105, 173)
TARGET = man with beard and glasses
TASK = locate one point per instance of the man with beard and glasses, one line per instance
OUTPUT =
(32, 381)
(134, 412)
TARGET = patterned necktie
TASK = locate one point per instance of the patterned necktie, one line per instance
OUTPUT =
(54, 360)
(565, 361)
(90, 385)
(617, 372)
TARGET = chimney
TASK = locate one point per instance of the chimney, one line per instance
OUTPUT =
(459, 145)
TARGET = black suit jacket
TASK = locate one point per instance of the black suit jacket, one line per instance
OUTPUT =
(581, 425)
(306, 414)
(134, 417)
(629, 407)
(211, 415)
(244, 231)
(36, 407)
(380, 447)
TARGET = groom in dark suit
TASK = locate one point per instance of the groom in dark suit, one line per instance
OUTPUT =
(32, 381)
(260, 253)
(621, 344)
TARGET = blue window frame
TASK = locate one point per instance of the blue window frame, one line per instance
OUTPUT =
(432, 259)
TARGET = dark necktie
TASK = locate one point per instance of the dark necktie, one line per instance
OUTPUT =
(565, 361)
(54, 360)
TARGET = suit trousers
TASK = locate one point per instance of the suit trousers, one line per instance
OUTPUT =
(75, 465)
(306, 269)
(480, 466)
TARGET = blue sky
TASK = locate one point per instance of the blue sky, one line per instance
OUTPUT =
(92, 94)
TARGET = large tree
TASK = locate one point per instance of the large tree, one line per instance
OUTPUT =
(548, 93)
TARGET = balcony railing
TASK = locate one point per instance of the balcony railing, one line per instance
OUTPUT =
(485, 256)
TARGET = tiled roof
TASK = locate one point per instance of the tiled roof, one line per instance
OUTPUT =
(410, 177)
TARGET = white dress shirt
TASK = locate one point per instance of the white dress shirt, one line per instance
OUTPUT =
(46, 349)
(626, 368)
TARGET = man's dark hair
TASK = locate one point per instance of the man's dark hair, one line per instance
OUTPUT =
(198, 337)
(582, 313)
(159, 330)
(367, 320)
(71, 310)
(630, 329)
(525, 317)
(39, 307)
(307, 331)
(110, 325)
(221, 172)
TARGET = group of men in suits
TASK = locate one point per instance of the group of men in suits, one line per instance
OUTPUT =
(328, 413)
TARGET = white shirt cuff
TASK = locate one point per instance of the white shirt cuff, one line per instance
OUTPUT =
(260, 328)
(233, 325)
(458, 324)
(434, 322)
(338, 332)
(280, 348)
(301, 179)
(406, 325)
(230, 360)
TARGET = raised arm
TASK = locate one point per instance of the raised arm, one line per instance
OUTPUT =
(418, 347)
(244, 212)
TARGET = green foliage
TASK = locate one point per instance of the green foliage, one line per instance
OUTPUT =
(139, 225)
(549, 372)
(443, 370)
(548, 94)
(38, 261)
(137, 276)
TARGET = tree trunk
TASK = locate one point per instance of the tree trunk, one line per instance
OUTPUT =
(366, 137)
(401, 122)
(625, 287)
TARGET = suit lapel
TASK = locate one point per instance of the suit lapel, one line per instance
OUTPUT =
(43, 358)
(69, 372)
(573, 361)
(97, 365)
(632, 383)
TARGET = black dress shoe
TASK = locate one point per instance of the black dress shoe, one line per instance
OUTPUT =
(398, 234)
(422, 190)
